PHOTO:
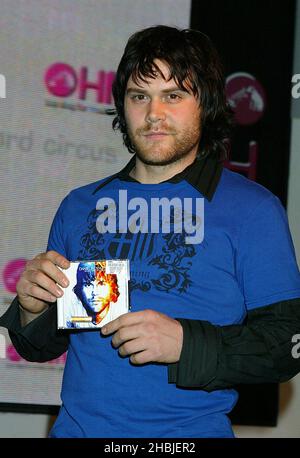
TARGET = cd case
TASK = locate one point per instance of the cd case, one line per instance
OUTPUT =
(97, 294)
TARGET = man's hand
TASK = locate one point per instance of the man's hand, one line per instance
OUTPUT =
(146, 336)
(37, 285)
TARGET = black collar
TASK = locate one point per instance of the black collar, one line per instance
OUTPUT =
(204, 174)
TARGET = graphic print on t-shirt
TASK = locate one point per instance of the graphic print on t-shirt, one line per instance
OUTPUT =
(160, 260)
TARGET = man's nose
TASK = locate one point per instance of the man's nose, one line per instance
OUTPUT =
(156, 111)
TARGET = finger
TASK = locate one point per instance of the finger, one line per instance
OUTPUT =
(57, 258)
(32, 290)
(142, 357)
(132, 346)
(126, 333)
(48, 268)
(114, 325)
(42, 280)
(128, 319)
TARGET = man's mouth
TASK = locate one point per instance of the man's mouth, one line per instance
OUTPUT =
(98, 300)
(153, 135)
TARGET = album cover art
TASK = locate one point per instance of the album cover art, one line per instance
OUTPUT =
(97, 294)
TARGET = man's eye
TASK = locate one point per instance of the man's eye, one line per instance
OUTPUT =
(174, 96)
(138, 97)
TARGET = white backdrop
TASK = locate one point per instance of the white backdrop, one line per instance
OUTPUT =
(48, 150)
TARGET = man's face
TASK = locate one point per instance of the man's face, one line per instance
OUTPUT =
(93, 295)
(163, 121)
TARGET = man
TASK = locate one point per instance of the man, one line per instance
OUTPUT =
(207, 312)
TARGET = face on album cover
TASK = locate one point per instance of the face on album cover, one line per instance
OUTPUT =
(97, 294)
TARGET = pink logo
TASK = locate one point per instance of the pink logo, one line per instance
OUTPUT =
(62, 80)
(13, 355)
(12, 273)
(246, 96)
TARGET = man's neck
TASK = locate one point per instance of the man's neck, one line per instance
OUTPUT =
(154, 174)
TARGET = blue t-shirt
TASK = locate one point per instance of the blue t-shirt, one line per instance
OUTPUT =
(245, 260)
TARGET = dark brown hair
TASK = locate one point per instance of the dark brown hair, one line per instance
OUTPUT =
(192, 60)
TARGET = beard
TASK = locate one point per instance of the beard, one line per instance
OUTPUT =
(172, 148)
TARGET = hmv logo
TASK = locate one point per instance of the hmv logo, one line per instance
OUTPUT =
(62, 80)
